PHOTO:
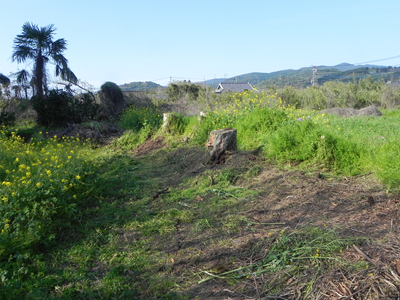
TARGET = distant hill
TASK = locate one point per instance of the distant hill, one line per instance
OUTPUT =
(301, 78)
(139, 86)
(214, 82)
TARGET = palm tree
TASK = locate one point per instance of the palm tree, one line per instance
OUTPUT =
(37, 44)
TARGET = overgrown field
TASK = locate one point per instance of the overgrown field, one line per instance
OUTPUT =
(287, 216)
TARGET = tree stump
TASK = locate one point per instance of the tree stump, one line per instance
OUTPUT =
(168, 120)
(201, 116)
(220, 141)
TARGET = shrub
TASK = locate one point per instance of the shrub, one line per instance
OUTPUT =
(7, 118)
(186, 90)
(112, 101)
(61, 107)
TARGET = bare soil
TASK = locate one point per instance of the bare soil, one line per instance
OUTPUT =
(288, 199)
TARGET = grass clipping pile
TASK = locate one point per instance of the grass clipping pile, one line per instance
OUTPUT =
(306, 236)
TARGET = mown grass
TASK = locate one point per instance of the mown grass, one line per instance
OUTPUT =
(83, 223)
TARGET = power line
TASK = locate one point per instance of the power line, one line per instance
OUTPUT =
(159, 79)
(314, 75)
(382, 59)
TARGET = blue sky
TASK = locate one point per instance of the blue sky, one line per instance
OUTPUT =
(154, 40)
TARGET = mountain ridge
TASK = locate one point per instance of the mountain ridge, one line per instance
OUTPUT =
(299, 78)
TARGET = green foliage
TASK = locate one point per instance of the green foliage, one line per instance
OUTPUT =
(356, 94)
(139, 86)
(286, 134)
(301, 78)
(7, 118)
(41, 191)
(254, 127)
(112, 102)
(61, 107)
(119, 237)
(37, 44)
(175, 124)
(298, 248)
(141, 123)
(227, 177)
(134, 117)
(112, 92)
(187, 90)
(133, 138)
(202, 130)
(289, 96)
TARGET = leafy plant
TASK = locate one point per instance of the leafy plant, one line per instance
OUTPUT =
(40, 191)
(135, 117)
(112, 101)
(174, 124)
(61, 107)
(7, 118)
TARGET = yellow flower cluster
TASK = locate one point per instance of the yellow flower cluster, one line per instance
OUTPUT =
(50, 165)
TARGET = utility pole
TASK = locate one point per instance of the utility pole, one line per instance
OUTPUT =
(314, 75)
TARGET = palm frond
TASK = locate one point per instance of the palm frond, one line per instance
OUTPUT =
(22, 53)
(22, 77)
(60, 60)
(4, 80)
(59, 46)
(68, 75)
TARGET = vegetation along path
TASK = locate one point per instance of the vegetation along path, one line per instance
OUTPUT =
(169, 226)
(307, 208)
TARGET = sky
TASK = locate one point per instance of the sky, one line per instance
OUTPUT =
(162, 41)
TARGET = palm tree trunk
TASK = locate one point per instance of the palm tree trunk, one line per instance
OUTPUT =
(39, 70)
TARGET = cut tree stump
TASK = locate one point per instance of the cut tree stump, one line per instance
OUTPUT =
(168, 120)
(220, 141)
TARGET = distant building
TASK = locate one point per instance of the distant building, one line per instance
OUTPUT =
(233, 87)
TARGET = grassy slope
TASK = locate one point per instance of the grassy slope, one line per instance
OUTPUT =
(166, 225)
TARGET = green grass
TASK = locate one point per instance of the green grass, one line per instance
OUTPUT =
(84, 223)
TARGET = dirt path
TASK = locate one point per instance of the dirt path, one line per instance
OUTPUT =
(354, 207)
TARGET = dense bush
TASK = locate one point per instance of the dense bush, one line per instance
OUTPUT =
(356, 94)
(7, 118)
(112, 91)
(61, 107)
(187, 90)
(112, 101)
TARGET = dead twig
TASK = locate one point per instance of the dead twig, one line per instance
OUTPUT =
(160, 192)
(366, 257)
(379, 265)
(259, 223)
(357, 292)
(211, 180)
